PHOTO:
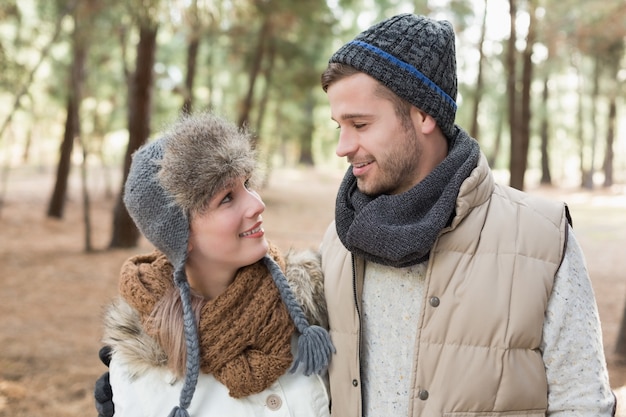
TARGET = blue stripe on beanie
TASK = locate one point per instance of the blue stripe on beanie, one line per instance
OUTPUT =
(407, 67)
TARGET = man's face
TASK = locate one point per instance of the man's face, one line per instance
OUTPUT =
(384, 152)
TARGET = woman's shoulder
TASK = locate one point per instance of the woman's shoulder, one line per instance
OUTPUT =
(131, 346)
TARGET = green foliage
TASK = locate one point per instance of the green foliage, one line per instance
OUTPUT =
(288, 43)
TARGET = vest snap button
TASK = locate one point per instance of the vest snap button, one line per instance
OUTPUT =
(355, 383)
(422, 394)
(434, 301)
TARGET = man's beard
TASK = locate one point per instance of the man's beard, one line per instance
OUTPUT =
(395, 168)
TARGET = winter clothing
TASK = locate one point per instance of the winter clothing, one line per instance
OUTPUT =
(413, 56)
(230, 337)
(479, 324)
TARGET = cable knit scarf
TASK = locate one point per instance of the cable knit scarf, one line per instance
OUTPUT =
(400, 230)
(245, 333)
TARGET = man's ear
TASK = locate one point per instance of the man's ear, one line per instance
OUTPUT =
(425, 122)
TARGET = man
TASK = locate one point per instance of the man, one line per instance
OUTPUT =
(447, 293)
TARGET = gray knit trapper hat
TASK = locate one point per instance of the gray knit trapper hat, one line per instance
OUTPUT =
(178, 174)
(413, 56)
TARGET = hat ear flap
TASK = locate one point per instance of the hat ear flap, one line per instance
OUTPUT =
(314, 345)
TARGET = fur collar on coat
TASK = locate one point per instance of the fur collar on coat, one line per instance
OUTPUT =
(139, 351)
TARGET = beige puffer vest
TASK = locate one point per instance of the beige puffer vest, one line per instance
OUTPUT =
(488, 281)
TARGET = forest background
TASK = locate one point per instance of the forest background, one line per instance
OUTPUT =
(84, 83)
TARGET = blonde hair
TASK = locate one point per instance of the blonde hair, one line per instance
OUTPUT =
(165, 324)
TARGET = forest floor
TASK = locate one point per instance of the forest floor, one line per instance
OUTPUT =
(52, 292)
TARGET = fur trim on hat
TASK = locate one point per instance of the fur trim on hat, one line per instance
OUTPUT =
(203, 155)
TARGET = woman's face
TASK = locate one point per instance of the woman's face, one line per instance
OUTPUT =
(228, 233)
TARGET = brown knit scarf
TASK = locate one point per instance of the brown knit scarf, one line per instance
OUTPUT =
(245, 333)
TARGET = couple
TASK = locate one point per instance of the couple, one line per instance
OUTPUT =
(444, 292)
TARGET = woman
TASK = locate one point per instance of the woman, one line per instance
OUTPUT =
(210, 310)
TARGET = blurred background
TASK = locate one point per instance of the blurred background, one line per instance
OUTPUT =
(84, 83)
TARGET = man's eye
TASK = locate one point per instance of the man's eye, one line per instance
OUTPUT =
(247, 184)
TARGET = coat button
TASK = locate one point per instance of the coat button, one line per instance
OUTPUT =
(434, 301)
(422, 394)
(273, 402)
(355, 383)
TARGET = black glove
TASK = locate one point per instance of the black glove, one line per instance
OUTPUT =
(102, 392)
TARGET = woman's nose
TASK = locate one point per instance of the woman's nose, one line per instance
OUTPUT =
(257, 206)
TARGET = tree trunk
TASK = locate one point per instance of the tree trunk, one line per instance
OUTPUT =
(584, 174)
(525, 110)
(268, 73)
(125, 233)
(479, 77)
(594, 123)
(255, 68)
(546, 178)
(610, 137)
(614, 66)
(86, 200)
(192, 59)
(497, 141)
(515, 153)
(306, 142)
(59, 193)
(620, 346)
(72, 128)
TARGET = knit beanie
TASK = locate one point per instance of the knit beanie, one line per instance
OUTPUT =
(413, 56)
(178, 174)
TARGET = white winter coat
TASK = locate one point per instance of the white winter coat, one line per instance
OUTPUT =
(154, 394)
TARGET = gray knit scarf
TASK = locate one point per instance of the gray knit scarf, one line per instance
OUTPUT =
(400, 230)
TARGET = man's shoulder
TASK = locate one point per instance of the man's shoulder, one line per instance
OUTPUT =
(532, 203)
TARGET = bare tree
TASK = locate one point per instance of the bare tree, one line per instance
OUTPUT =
(546, 178)
(56, 205)
(616, 51)
(479, 77)
(125, 233)
(511, 88)
(72, 131)
(255, 69)
(520, 115)
(194, 24)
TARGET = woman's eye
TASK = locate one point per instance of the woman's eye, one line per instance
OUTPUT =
(227, 198)
(247, 184)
